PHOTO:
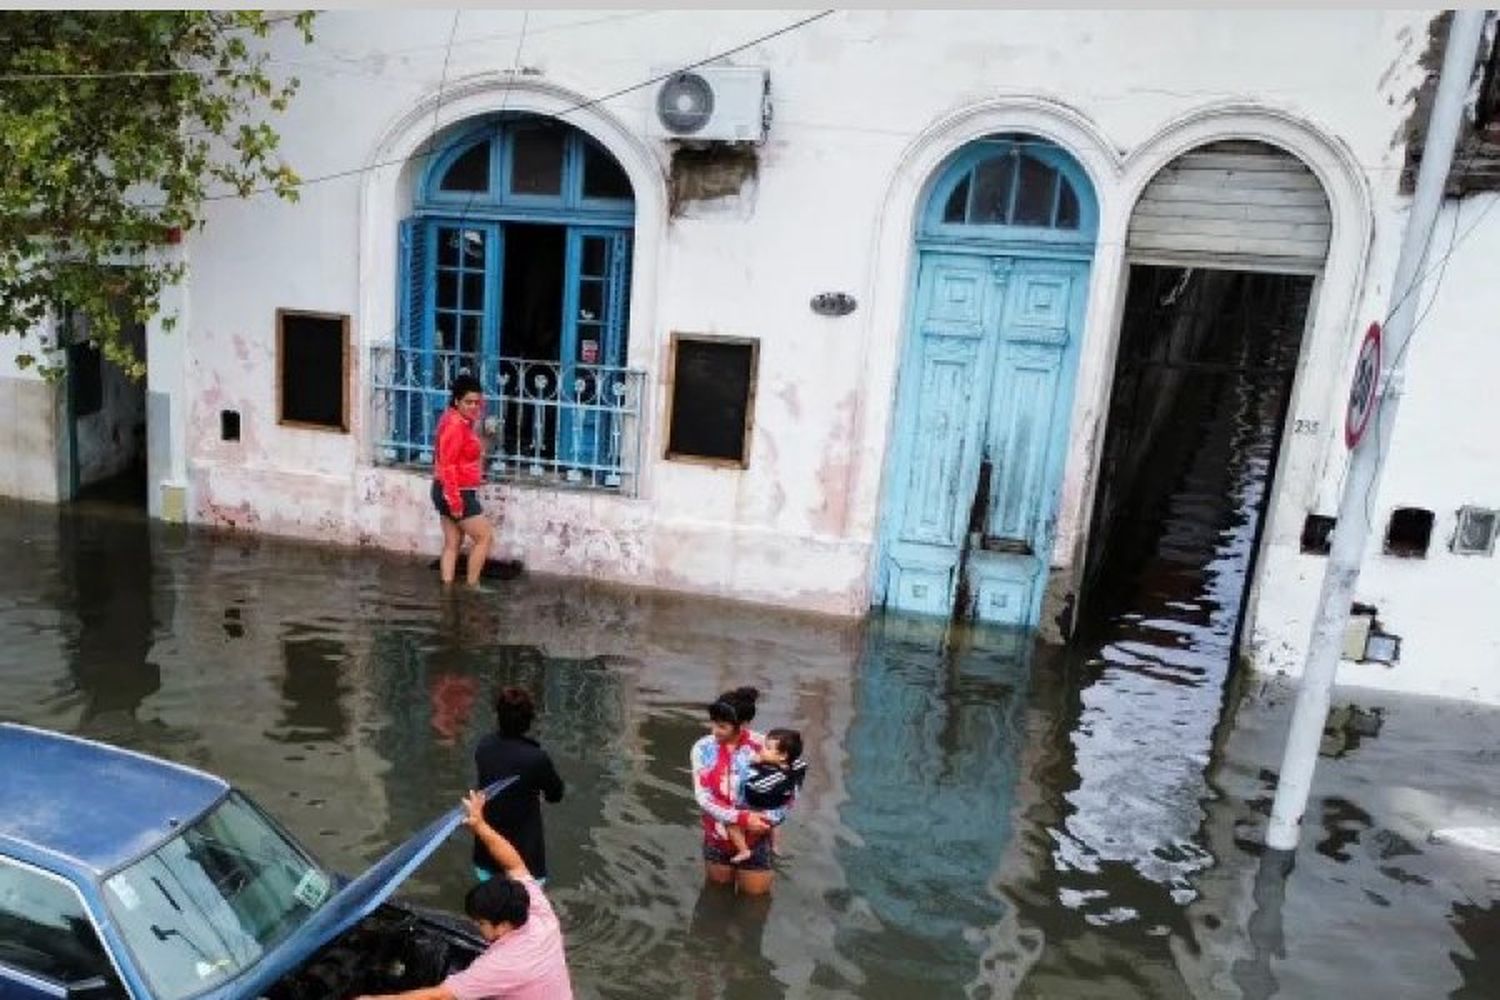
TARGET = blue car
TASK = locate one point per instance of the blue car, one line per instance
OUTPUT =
(126, 876)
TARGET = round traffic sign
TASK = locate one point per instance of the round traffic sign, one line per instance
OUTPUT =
(1363, 394)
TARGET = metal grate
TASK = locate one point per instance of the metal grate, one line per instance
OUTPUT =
(551, 424)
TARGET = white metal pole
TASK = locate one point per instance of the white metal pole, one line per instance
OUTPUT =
(1352, 529)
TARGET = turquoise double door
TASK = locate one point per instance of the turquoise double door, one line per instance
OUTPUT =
(980, 436)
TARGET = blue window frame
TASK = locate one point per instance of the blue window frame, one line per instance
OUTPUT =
(1016, 189)
(557, 383)
(527, 167)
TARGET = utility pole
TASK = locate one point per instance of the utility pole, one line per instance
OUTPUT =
(1352, 529)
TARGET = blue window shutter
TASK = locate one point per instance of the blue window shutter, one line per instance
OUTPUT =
(414, 282)
(413, 358)
(618, 315)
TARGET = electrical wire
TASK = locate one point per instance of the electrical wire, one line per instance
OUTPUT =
(570, 109)
(497, 37)
(1440, 268)
(437, 108)
(344, 65)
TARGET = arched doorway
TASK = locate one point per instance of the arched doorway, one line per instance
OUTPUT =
(1005, 242)
(514, 267)
(1225, 250)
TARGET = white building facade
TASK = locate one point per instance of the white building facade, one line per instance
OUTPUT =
(684, 397)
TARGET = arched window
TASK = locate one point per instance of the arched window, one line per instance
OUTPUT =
(524, 166)
(1012, 187)
(515, 267)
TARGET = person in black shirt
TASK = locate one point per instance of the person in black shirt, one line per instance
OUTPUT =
(516, 810)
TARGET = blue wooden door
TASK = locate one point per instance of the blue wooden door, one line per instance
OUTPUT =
(982, 426)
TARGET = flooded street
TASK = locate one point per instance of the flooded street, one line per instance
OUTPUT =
(985, 819)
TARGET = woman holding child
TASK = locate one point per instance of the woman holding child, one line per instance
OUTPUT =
(736, 821)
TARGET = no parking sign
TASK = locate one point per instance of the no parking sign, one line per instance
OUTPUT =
(1363, 394)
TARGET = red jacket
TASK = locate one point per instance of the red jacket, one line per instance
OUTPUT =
(457, 463)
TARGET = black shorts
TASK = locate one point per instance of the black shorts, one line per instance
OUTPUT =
(758, 861)
(469, 498)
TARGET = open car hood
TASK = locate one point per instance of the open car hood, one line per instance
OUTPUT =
(345, 908)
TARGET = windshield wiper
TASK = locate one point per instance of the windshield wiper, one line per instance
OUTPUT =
(168, 896)
(162, 933)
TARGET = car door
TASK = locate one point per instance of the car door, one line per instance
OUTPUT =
(48, 945)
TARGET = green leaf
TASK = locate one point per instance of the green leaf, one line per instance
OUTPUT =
(95, 170)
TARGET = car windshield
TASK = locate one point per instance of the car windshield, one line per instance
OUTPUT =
(214, 899)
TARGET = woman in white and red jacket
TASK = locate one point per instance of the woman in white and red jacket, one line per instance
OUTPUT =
(456, 476)
(714, 788)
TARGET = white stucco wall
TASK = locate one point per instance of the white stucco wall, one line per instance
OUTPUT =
(30, 423)
(1443, 456)
(868, 104)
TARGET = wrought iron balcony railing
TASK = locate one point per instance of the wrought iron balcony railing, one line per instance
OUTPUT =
(549, 423)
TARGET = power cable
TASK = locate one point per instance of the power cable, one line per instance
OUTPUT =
(1440, 268)
(579, 106)
(497, 37)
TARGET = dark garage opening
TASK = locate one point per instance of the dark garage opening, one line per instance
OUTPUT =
(1201, 389)
(106, 428)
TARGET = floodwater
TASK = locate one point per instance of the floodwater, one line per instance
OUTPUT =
(981, 819)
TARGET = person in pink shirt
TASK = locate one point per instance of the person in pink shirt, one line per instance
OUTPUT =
(525, 959)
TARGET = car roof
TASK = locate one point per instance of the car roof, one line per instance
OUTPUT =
(89, 805)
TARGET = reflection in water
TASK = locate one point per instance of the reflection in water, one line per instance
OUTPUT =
(981, 819)
(932, 774)
(1254, 975)
(725, 953)
(312, 688)
(115, 619)
(1477, 959)
(1165, 644)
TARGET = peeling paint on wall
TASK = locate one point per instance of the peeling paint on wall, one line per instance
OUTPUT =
(1476, 160)
(830, 515)
(714, 180)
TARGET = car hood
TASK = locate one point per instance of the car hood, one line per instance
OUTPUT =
(356, 900)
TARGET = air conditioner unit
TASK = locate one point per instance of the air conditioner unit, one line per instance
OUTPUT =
(713, 104)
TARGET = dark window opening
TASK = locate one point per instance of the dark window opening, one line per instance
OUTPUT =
(531, 329)
(229, 425)
(532, 308)
(1013, 189)
(712, 399)
(537, 160)
(957, 207)
(602, 176)
(470, 172)
(312, 369)
(1036, 192)
(1317, 534)
(1067, 206)
(85, 378)
(1409, 533)
(992, 182)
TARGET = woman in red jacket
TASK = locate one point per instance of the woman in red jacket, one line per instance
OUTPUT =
(456, 476)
